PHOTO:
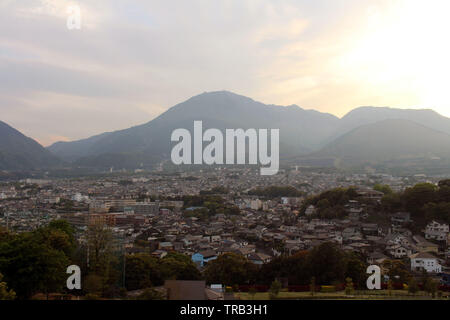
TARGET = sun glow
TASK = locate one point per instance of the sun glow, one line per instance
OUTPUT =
(405, 47)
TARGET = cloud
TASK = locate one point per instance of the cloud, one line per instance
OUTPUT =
(132, 60)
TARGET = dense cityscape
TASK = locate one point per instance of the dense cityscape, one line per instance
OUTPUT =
(208, 232)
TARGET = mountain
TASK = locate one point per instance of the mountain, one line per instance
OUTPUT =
(387, 141)
(70, 151)
(367, 115)
(300, 130)
(365, 134)
(18, 152)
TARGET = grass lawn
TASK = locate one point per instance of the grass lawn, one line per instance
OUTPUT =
(340, 295)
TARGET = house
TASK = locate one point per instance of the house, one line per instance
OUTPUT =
(354, 214)
(370, 194)
(203, 257)
(350, 232)
(423, 245)
(185, 290)
(245, 251)
(337, 238)
(256, 204)
(425, 261)
(259, 258)
(369, 229)
(401, 217)
(168, 246)
(399, 250)
(159, 254)
(436, 231)
(310, 210)
(376, 258)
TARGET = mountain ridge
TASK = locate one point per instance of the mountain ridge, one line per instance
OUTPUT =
(19, 152)
(303, 133)
(387, 141)
(219, 109)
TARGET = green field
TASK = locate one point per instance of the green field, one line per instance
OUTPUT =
(340, 295)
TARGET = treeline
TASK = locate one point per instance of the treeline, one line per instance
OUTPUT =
(326, 263)
(208, 206)
(146, 271)
(276, 192)
(215, 190)
(425, 201)
(331, 203)
(36, 261)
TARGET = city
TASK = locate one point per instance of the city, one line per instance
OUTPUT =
(208, 214)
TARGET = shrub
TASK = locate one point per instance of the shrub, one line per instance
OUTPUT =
(349, 286)
(413, 287)
(327, 289)
(274, 289)
(252, 292)
(91, 296)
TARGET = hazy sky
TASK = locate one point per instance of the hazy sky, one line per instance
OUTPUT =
(132, 60)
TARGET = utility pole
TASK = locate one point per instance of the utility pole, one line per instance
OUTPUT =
(124, 262)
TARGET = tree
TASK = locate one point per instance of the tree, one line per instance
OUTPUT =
(392, 202)
(312, 286)
(444, 183)
(30, 267)
(151, 294)
(419, 195)
(274, 289)
(430, 286)
(349, 287)
(327, 263)
(276, 191)
(6, 294)
(252, 292)
(230, 269)
(99, 242)
(384, 188)
(178, 266)
(439, 211)
(103, 257)
(93, 284)
(356, 269)
(413, 287)
(397, 271)
(142, 271)
(323, 204)
(57, 239)
(390, 287)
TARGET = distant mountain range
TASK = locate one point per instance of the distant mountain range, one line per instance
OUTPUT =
(385, 141)
(366, 135)
(301, 131)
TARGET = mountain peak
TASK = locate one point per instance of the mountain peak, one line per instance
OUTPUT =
(371, 110)
(222, 94)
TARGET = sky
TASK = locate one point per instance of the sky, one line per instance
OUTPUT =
(132, 60)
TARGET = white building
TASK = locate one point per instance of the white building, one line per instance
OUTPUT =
(310, 210)
(256, 204)
(79, 197)
(399, 251)
(425, 261)
(437, 231)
